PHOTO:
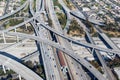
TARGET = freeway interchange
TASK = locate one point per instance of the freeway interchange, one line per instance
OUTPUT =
(56, 44)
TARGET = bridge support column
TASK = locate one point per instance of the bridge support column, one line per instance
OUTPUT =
(43, 5)
(8, 68)
(19, 77)
(4, 37)
(4, 70)
(71, 43)
(17, 36)
(93, 51)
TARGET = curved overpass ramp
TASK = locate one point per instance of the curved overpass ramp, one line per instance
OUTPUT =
(79, 43)
(17, 10)
(14, 64)
(94, 71)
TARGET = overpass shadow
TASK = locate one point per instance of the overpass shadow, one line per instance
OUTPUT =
(10, 56)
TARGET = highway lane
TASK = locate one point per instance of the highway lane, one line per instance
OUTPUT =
(57, 26)
(31, 7)
(67, 12)
(49, 65)
(108, 72)
(55, 71)
(83, 44)
(31, 55)
(83, 62)
(62, 35)
(16, 26)
(88, 45)
(6, 6)
(52, 71)
(38, 5)
(2, 22)
(26, 22)
(107, 41)
(71, 67)
(54, 50)
(41, 48)
(96, 22)
(43, 5)
(80, 15)
(13, 45)
(17, 10)
(26, 58)
(19, 68)
(80, 43)
(79, 72)
(53, 15)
